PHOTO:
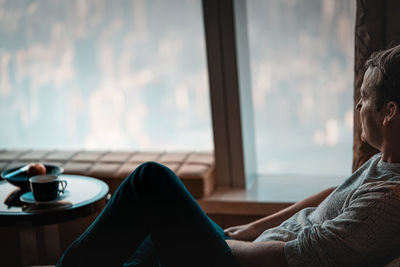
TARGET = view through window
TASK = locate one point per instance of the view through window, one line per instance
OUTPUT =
(100, 74)
(301, 56)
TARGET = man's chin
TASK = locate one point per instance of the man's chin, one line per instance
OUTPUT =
(363, 138)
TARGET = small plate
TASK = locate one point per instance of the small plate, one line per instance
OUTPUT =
(28, 198)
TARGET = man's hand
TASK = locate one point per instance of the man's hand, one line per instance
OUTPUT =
(246, 232)
(254, 254)
(251, 231)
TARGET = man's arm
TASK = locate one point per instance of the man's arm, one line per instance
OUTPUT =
(251, 231)
(254, 254)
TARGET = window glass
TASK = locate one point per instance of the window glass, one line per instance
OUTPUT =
(101, 74)
(301, 56)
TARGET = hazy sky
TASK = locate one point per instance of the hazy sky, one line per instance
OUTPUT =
(132, 75)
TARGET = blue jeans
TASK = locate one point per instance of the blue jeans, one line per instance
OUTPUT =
(152, 220)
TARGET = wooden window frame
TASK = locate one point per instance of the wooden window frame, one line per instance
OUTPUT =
(228, 62)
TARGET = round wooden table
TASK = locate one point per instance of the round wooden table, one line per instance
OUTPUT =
(84, 196)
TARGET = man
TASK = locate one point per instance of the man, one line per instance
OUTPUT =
(153, 220)
(359, 223)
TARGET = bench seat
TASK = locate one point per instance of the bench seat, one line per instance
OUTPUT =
(195, 169)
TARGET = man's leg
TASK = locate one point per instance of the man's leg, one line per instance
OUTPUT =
(151, 201)
(144, 256)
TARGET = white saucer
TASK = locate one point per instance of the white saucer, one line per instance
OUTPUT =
(28, 198)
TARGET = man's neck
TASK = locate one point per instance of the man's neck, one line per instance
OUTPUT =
(391, 154)
(391, 146)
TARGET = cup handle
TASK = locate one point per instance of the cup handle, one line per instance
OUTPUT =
(63, 184)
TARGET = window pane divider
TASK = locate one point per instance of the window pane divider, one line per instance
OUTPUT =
(230, 91)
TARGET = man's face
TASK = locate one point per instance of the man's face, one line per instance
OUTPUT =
(371, 119)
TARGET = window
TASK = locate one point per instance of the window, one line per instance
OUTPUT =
(301, 57)
(133, 75)
(103, 75)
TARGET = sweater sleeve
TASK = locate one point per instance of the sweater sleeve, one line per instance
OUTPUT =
(366, 231)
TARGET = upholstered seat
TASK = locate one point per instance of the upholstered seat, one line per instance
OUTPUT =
(195, 169)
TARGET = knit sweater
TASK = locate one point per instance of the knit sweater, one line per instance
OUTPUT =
(358, 224)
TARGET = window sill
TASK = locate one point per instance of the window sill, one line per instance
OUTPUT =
(268, 194)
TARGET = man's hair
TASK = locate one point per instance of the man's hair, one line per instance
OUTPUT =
(386, 67)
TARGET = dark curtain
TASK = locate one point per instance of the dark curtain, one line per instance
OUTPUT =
(377, 28)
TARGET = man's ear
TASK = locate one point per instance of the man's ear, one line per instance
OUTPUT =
(392, 112)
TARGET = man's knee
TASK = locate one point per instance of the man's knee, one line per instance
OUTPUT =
(152, 172)
(151, 165)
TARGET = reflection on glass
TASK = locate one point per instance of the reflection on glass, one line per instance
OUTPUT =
(103, 74)
(302, 78)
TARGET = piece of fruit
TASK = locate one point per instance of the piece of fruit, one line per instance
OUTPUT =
(36, 169)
